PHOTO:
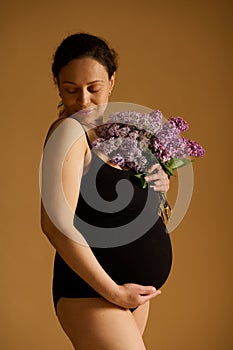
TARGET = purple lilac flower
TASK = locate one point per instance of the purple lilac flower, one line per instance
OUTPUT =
(135, 140)
(130, 150)
(97, 142)
(159, 149)
(177, 148)
(152, 122)
(194, 149)
(118, 160)
(113, 130)
(129, 118)
(168, 132)
(122, 151)
(134, 134)
(124, 131)
(157, 116)
(179, 123)
(162, 154)
(107, 146)
(168, 141)
(138, 165)
(102, 131)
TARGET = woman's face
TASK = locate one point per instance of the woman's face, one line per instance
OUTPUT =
(84, 86)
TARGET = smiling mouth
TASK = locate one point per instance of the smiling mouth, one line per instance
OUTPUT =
(86, 111)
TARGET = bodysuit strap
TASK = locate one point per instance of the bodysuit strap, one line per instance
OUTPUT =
(88, 141)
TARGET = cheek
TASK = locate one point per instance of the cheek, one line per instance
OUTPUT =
(100, 98)
(69, 101)
(105, 97)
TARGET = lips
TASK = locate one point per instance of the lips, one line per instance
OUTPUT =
(86, 111)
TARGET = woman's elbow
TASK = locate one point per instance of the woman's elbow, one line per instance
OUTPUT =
(44, 227)
(45, 222)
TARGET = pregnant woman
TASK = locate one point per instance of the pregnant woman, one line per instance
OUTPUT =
(101, 285)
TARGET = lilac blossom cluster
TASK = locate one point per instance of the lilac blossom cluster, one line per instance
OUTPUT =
(136, 140)
(151, 123)
(123, 151)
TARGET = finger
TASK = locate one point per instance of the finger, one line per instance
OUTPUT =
(139, 288)
(152, 177)
(146, 290)
(161, 175)
(161, 188)
(145, 298)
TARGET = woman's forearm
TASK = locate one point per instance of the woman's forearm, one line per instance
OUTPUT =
(81, 260)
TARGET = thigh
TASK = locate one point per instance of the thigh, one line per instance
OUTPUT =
(141, 316)
(96, 324)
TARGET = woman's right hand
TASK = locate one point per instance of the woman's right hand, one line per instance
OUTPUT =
(131, 295)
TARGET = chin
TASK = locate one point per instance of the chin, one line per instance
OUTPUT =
(92, 116)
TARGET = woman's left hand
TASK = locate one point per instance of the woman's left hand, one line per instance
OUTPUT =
(157, 178)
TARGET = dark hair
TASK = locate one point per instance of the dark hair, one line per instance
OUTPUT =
(82, 45)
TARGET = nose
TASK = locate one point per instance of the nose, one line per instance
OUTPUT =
(83, 98)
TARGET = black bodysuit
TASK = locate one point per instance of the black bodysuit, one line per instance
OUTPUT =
(131, 244)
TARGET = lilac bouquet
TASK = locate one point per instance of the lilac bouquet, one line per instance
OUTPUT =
(134, 140)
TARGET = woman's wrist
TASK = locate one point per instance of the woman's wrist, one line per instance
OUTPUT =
(119, 296)
(112, 293)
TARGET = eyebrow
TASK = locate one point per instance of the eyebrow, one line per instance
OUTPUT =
(91, 82)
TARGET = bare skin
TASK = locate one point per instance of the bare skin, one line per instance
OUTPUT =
(96, 324)
(141, 316)
(92, 323)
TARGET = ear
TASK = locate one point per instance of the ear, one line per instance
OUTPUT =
(112, 81)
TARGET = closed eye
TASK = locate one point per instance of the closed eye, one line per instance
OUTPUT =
(71, 91)
(93, 90)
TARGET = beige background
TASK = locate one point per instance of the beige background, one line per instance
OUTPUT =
(175, 56)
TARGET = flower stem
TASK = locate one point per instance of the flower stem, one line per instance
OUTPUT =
(165, 209)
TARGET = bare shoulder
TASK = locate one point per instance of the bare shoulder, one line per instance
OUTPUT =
(65, 128)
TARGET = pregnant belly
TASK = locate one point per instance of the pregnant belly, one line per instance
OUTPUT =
(145, 261)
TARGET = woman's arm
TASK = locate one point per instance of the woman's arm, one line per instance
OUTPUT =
(63, 163)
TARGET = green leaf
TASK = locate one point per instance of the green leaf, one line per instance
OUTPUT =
(173, 164)
(142, 180)
(168, 170)
(178, 163)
